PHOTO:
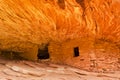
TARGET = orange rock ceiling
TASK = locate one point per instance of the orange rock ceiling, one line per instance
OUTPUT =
(41, 21)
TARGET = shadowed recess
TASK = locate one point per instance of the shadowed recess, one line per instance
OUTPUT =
(43, 53)
(81, 3)
(61, 4)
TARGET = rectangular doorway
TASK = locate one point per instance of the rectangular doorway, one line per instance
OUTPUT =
(76, 51)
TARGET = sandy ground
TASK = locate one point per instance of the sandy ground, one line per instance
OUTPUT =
(28, 70)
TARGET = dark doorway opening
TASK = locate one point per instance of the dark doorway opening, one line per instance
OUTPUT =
(76, 51)
(43, 53)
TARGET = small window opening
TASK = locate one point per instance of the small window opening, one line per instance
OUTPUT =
(43, 53)
(76, 51)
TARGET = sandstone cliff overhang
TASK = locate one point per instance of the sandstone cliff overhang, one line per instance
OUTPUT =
(27, 25)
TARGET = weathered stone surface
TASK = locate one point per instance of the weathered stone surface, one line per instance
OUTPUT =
(39, 22)
(27, 25)
(27, 70)
(96, 57)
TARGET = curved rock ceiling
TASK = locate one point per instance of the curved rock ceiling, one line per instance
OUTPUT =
(42, 21)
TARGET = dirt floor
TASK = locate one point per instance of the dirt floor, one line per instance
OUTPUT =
(28, 70)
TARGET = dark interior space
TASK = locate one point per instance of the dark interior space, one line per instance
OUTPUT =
(11, 54)
(43, 53)
(76, 51)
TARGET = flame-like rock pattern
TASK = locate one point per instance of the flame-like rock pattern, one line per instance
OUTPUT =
(25, 24)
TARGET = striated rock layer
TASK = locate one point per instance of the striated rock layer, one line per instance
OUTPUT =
(29, 25)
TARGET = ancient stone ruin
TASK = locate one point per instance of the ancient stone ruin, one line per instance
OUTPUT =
(80, 33)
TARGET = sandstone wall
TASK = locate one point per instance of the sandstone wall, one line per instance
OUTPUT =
(100, 56)
(39, 22)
